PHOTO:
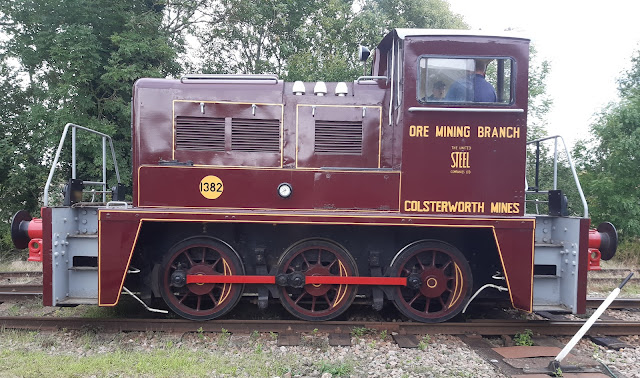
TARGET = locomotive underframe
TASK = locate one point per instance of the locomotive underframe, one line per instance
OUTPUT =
(127, 240)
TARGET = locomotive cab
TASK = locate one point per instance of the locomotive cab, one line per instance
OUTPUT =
(405, 186)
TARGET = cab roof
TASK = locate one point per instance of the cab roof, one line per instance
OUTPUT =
(403, 33)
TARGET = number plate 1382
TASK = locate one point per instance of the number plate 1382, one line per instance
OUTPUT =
(211, 187)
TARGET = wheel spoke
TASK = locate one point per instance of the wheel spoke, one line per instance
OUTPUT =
(215, 302)
(331, 265)
(433, 258)
(305, 260)
(204, 254)
(418, 294)
(199, 302)
(186, 253)
(185, 297)
(313, 303)
(319, 256)
(300, 297)
(213, 266)
(420, 263)
(426, 307)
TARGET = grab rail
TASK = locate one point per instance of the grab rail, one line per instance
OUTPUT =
(536, 188)
(73, 160)
(371, 78)
(210, 78)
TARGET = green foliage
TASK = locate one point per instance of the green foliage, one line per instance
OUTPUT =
(524, 338)
(424, 343)
(434, 14)
(67, 64)
(306, 40)
(360, 331)
(539, 100)
(609, 161)
(224, 337)
(629, 251)
(336, 369)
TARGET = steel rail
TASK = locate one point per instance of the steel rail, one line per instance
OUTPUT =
(17, 292)
(492, 327)
(618, 303)
(5, 275)
(21, 288)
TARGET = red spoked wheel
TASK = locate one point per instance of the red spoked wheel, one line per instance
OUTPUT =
(439, 280)
(205, 256)
(317, 302)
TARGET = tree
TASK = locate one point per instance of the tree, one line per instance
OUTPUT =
(251, 37)
(307, 40)
(72, 63)
(610, 160)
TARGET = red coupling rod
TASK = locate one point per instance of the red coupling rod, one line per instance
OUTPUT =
(309, 280)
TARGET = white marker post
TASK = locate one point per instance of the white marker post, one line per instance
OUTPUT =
(555, 364)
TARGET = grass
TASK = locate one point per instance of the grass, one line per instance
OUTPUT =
(424, 343)
(10, 264)
(628, 252)
(632, 288)
(359, 332)
(166, 360)
(336, 369)
(524, 338)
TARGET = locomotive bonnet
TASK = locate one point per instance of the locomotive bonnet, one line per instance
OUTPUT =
(406, 185)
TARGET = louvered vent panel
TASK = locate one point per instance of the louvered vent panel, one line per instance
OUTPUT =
(255, 135)
(199, 133)
(338, 137)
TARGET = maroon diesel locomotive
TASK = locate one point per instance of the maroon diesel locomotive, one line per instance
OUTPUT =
(407, 185)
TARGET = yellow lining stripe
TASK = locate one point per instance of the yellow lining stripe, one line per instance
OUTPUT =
(294, 222)
(124, 276)
(289, 214)
(457, 290)
(259, 169)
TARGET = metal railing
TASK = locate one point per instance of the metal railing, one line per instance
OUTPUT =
(536, 188)
(371, 78)
(213, 78)
(102, 183)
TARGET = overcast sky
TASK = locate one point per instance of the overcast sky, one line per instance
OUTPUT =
(588, 43)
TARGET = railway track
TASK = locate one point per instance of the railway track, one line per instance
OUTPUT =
(19, 292)
(10, 275)
(474, 327)
(16, 292)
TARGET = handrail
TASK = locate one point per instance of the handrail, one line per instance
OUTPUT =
(371, 78)
(465, 110)
(73, 160)
(208, 78)
(555, 168)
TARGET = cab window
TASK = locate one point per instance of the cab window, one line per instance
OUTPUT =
(466, 80)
